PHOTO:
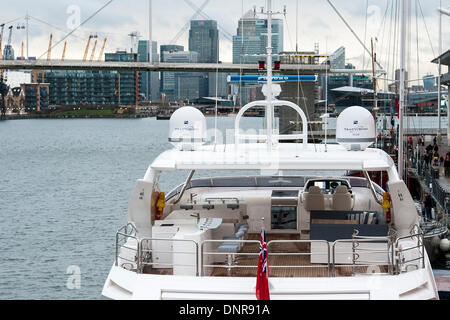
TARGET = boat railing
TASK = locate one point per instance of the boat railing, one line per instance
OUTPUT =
(406, 256)
(372, 255)
(159, 253)
(123, 235)
(210, 256)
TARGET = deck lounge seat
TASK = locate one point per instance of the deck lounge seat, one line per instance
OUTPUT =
(240, 235)
(314, 199)
(342, 199)
(231, 249)
(241, 224)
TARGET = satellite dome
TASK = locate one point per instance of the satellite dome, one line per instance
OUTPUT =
(187, 128)
(355, 129)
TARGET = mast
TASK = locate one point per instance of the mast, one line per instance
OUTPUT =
(150, 32)
(440, 72)
(375, 93)
(270, 112)
(402, 88)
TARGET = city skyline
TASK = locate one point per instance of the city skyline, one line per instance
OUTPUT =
(317, 23)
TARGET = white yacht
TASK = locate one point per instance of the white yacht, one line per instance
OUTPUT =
(329, 236)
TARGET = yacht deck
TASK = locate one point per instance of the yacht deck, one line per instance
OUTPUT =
(282, 263)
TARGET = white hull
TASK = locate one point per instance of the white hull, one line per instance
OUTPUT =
(127, 285)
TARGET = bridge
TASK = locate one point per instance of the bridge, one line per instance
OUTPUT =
(169, 67)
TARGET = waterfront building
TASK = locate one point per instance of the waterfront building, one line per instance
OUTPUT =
(128, 80)
(36, 96)
(170, 85)
(204, 39)
(149, 84)
(82, 88)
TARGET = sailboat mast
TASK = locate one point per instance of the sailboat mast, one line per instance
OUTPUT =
(270, 112)
(440, 73)
(402, 88)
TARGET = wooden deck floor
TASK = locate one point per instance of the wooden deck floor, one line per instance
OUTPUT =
(281, 264)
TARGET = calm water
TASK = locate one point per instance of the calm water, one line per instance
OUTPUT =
(64, 191)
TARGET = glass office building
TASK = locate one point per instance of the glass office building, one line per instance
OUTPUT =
(251, 41)
(170, 86)
(204, 39)
(148, 81)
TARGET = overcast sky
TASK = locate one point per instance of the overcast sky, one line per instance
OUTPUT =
(316, 23)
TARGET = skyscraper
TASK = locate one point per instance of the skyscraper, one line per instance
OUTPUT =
(250, 46)
(250, 38)
(149, 81)
(204, 39)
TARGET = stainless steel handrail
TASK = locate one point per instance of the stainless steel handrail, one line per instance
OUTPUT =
(183, 190)
(203, 253)
(126, 236)
(356, 256)
(420, 246)
(223, 199)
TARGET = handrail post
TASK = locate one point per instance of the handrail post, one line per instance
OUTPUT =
(138, 264)
(196, 260)
(117, 248)
(328, 254)
(334, 260)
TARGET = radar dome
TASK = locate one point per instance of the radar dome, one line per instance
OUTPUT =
(355, 129)
(187, 128)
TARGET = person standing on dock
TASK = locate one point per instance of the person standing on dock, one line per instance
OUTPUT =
(447, 165)
(428, 204)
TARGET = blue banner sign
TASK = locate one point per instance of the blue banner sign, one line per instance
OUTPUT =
(274, 79)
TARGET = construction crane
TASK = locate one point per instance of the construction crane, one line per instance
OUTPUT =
(49, 51)
(93, 50)
(101, 51)
(134, 36)
(64, 51)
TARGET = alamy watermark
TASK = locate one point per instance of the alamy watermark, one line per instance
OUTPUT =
(74, 280)
(74, 19)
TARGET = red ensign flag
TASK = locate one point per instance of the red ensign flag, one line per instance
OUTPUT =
(262, 278)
